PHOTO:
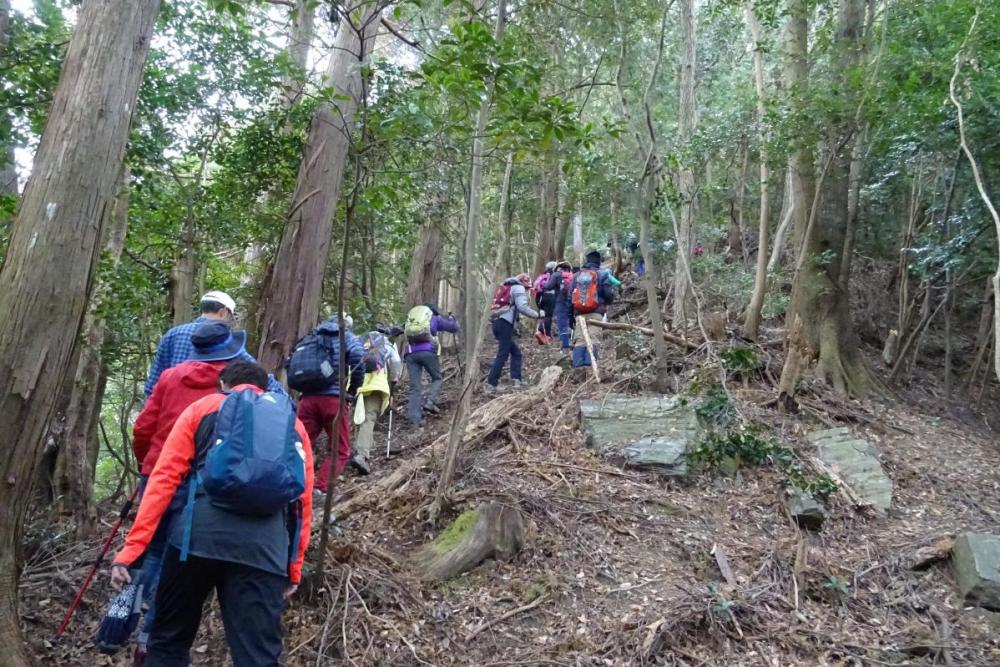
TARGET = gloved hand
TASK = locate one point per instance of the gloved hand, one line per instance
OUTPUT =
(541, 313)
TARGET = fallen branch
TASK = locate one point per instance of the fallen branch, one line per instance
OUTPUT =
(513, 612)
(622, 326)
(484, 420)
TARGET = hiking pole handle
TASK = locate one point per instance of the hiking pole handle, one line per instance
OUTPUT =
(126, 508)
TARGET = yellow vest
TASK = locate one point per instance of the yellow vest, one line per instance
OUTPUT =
(377, 382)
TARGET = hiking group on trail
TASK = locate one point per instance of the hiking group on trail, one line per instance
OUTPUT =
(226, 455)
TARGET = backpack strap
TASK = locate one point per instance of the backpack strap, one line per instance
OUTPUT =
(293, 547)
(187, 518)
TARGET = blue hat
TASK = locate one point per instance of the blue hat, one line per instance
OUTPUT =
(215, 341)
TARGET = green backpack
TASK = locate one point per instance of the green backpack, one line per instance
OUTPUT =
(418, 325)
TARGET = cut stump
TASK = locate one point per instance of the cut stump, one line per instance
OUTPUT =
(493, 530)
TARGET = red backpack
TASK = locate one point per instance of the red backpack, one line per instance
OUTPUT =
(585, 291)
(501, 298)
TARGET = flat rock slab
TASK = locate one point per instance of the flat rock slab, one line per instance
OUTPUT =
(855, 462)
(976, 559)
(647, 431)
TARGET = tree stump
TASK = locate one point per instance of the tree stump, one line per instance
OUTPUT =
(492, 530)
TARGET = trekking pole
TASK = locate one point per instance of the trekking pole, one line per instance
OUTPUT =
(126, 508)
(388, 442)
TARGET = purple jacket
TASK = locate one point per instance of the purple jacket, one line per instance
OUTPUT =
(438, 324)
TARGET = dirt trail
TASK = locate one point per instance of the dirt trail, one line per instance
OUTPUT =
(620, 566)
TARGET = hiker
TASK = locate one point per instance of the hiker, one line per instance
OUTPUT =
(313, 369)
(383, 369)
(423, 324)
(559, 283)
(180, 386)
(510, 301)
(546, 300)
(592, 292)
(241, 538)
(175, 346)
(698, 249)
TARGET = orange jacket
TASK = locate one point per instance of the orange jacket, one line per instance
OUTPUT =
(173, 466)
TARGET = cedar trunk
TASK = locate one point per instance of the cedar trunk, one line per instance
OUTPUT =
(76, 458)
(8, 170)
(801, 174)
(818, 302)
(300, 37)
(65, 202)
(547, 247)
(425, 267)
(291, 300)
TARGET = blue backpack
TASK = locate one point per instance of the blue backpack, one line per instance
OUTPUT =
(255, 463)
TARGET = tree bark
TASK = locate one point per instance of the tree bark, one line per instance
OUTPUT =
(751, 328)
(8, 168)
(687, 123)
(300, 37)
(818, 302)
(474, 216)
(182, 273)
(65, 202)
(549, 231)
(425, 267)
(77, 456)
(801, 173)
(291, 300)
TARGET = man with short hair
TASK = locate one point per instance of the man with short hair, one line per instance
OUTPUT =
(215, 345)
(175, 346)
(253, 562)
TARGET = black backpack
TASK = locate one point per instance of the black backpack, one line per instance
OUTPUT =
(310, 366)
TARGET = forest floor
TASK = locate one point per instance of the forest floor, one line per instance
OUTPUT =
(621, 567)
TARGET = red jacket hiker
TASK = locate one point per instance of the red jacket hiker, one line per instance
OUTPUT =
(177, 388)
(172, 468)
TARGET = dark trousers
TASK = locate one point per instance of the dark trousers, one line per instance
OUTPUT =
(416, 364)
(506, 347)
(547, 302)
(251, 603)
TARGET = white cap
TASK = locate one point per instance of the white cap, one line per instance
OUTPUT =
(220, 297)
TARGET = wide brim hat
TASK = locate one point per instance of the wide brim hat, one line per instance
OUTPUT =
(224, 350)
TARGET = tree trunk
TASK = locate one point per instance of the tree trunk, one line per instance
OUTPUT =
(425, 267)
(687, 122)
(549, 231)
(662, 370)
(300, 37)
(751, 328)
(493, 530)
(801, 173)
(8, 169)
(735, 241)
(475, 211)
(818, 302)
(65, 202)
(76, 457)
(291, 300)
(182, 274)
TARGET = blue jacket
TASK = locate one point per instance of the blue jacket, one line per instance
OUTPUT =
(355, 354)
(176, 347)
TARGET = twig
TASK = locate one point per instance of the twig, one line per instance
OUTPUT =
(513, 612)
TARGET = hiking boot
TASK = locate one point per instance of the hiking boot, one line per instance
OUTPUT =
(360, 464)
(541, 338)
(319, 498)
(431, 408)
(489, 389)
(139, 657)
(517, 384)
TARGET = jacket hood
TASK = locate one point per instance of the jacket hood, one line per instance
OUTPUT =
(202, 374)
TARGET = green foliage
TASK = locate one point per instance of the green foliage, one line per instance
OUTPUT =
(715, 409)
(748, 445)
(740, 359)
